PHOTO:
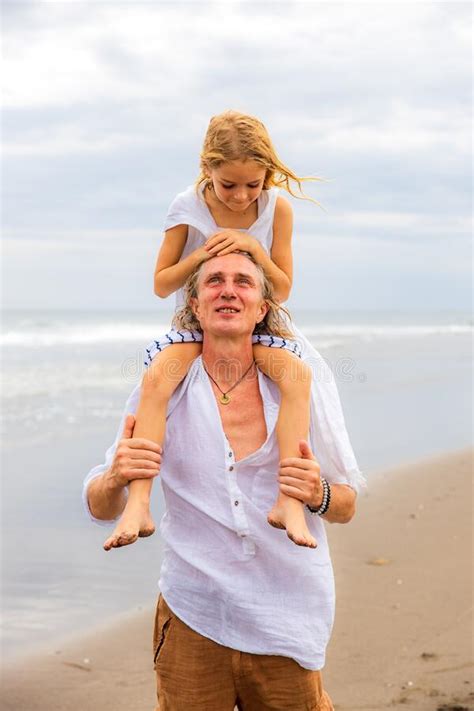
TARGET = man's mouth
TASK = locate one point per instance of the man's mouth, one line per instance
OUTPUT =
(227, 310)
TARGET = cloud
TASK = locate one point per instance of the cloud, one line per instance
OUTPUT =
(62, 53)
(106, 105)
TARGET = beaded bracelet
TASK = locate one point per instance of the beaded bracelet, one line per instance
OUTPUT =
(325, 502)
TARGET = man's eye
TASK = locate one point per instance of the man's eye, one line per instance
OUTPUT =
(213, 279)
(244, 281)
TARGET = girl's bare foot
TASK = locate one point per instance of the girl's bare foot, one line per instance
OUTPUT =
(288, 513)
(135, 522)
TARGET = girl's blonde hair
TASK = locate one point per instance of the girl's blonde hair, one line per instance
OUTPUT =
(236, 136)
(276, 319)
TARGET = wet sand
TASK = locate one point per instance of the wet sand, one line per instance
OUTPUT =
(403, 631)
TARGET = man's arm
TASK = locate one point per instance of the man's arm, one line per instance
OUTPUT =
(134, 458)
(301, 478)
(106, 500)
(342, 506)
(105, 488)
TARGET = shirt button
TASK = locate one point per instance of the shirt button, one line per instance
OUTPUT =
(236, 503)
(231, 469)
(230, 454)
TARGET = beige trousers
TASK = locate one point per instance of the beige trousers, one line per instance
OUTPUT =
(193, 673)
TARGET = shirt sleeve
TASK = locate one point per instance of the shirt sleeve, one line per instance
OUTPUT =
(338, 464)
(177, 214)
(130, 409)
(185, 209)
(330, 443)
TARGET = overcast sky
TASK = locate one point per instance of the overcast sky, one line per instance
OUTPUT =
(105, 109)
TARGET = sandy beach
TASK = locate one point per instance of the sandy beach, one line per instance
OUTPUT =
(403, 630)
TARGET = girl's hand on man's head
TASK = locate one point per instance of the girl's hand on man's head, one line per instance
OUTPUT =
(228, 241)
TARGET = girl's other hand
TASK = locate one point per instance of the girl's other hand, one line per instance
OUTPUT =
(229, 241)
(201, 253)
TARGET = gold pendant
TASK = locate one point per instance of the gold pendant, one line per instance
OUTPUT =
(225, 399)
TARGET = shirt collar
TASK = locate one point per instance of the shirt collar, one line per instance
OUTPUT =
(270, 397)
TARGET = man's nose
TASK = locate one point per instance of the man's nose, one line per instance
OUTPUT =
(228, 289)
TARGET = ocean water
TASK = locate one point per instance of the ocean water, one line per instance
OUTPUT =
(405, 384)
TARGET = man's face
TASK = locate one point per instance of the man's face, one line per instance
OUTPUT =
(229, 301)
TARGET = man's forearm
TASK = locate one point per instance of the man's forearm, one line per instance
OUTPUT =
(106, 499)
(342, 506)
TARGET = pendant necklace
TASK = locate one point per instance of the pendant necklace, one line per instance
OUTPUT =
(224, 398)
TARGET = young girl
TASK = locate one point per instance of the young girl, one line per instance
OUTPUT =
(235, 206)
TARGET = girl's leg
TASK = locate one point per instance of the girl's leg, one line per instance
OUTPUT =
(159, 382)
(293, 378)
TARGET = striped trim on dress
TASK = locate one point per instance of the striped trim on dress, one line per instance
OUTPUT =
(185, 336)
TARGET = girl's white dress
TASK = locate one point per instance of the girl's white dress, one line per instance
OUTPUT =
(328, 435)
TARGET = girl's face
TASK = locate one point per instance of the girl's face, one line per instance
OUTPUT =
(237, 184)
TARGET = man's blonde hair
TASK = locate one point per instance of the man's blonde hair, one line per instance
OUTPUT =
(275, 323)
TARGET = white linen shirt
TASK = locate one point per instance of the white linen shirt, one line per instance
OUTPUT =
(226, 572)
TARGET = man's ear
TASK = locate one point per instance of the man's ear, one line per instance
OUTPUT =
(262, 311)
(193, 302)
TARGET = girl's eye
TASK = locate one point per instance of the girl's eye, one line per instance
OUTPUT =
(228, 187)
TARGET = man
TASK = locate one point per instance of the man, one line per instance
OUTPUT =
(244, 615)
